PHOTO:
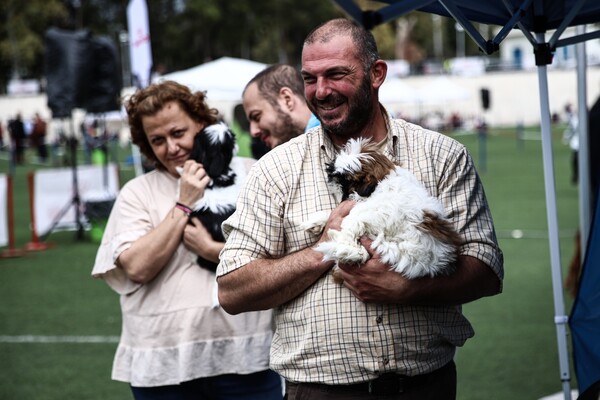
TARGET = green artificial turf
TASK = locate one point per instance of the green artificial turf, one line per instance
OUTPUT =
(50, 294)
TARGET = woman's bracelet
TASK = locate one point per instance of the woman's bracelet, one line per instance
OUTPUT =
(187, 211)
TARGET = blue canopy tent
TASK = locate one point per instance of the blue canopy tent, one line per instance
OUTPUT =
(533, 18)
(584, 319)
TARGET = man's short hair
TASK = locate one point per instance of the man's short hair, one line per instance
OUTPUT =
(270, 81)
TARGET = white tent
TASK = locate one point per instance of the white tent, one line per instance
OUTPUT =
(223, 79)
(442, 90)
(395, 90)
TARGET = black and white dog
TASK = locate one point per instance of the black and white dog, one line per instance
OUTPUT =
(215, 148)
(408, 226)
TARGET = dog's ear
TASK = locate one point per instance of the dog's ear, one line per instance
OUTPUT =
(198, 153)
(364, 188)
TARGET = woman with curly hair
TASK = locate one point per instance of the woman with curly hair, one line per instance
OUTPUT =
(176, 341)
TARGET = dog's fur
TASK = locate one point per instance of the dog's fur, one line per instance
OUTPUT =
(215, 148)
(407, 225)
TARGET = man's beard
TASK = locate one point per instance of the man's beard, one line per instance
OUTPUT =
(286, 129)
(360, 111)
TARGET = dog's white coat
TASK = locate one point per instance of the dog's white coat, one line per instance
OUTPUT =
(390, 216)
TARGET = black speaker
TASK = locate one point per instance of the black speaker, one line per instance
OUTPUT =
(81, 71)
(103, 88)
(67, 69)
(485, 98)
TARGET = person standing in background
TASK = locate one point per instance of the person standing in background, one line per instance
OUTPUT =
(16, 129)
(275, 106)
(38, 138)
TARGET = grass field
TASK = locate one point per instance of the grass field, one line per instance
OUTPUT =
(58, 326)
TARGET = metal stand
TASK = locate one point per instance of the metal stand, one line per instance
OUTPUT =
(75, 200)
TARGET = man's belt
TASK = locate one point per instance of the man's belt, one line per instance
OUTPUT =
(391, 383)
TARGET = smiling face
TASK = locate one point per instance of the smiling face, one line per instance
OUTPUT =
(171, 133)
(338, 90)
(271, 124)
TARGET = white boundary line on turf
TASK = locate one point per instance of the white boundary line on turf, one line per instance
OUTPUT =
(58, 339)
(532, 234)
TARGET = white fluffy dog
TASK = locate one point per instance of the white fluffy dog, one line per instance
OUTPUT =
(407, 225)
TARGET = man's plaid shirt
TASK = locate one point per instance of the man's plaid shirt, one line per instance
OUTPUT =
(326, 334)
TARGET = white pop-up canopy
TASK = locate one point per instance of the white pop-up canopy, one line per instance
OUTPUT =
(223, 79)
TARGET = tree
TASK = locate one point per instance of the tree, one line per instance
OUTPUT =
(22, 36)
(185, 33)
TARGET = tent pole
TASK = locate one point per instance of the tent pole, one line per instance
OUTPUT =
(585, 207)
(560, 319)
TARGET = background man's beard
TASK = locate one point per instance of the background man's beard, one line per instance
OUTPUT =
(286, 128)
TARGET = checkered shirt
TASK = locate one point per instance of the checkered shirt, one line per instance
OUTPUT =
(326, 334)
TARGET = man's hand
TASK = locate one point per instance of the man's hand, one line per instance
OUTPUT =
(373, 281)
(335, 218)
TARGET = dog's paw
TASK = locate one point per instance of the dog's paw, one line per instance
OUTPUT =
(316, 222)
(355, 254)
(342, 248)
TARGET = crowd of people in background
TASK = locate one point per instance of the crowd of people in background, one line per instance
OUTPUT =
(18, 134)
(23, 134)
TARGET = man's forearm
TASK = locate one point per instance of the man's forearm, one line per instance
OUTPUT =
(263, 284)
(472, 280)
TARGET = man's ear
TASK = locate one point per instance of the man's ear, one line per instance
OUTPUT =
(378, 73)
(287, 98)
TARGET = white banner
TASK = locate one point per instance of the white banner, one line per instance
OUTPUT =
(54, 194)
(3, 210)
(140, 49)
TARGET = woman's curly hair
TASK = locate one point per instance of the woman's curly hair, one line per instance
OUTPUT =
(150, 100)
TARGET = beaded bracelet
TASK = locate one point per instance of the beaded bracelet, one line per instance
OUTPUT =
(187, 211)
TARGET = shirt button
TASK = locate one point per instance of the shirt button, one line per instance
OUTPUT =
(379, 319)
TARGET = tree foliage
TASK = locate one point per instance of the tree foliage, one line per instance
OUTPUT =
(185, 33)
(22, 34)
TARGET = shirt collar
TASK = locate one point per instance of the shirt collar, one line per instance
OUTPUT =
(392, 138)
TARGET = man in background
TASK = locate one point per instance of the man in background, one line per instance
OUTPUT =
(38, 138)
(275, 106)
(16, 128)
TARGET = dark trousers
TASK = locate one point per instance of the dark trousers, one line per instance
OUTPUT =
(264, 385)
(441, 386)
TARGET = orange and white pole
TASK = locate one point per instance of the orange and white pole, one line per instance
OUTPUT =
(12, 251)
(35, 244)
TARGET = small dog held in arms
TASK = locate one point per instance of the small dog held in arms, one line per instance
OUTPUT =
(215, 148)
(407, 225)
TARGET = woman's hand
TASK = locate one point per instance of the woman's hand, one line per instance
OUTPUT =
(198, 240)
(193, 182)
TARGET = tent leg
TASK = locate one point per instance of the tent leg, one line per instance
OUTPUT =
(585, 206)
(560, 319)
